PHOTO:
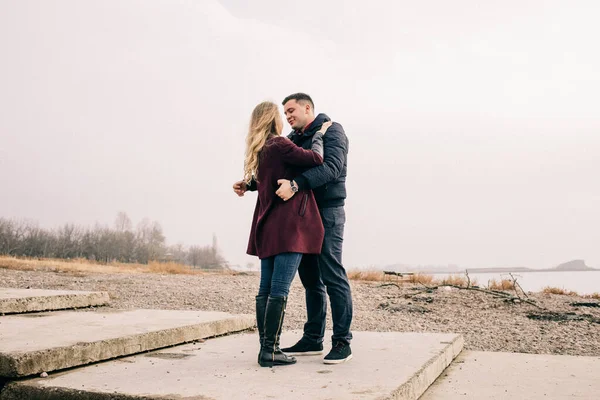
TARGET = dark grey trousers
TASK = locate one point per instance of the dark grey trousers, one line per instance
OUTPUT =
(324, 275)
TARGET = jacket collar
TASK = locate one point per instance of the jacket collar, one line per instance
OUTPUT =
(314, 126)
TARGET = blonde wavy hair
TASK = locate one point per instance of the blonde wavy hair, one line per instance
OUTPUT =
(265, 121)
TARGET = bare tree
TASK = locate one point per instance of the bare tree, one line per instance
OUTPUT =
(123, 222)
(206, 257)
(150, 241)
(12, 234)
(101, 243)
(68, 241)
(177, 253)
(36, 242)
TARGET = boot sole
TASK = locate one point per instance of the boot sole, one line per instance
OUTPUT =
(304, 353)
(270, 365)
(338, 361)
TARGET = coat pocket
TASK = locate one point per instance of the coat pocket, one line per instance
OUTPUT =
(303, 204)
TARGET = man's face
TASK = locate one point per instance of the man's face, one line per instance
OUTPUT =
(298, 115)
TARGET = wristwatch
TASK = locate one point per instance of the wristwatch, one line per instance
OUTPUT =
(294, 187)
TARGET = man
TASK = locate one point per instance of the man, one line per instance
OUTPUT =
(323, 273)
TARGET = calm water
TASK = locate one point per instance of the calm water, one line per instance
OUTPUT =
(584, 282)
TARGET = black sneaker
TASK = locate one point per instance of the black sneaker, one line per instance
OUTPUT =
(304, 348)
(340, 352)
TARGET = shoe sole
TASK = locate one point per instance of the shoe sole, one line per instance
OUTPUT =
(338, 361)
(304, 353)
(271, 365)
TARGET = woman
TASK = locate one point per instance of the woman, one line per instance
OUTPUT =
(281, 231)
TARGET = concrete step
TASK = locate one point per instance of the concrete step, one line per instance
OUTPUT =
(477, 375)
(14, 301)
(385, 365)
(44, 342)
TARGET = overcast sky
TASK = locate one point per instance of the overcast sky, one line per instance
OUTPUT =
(474, 126)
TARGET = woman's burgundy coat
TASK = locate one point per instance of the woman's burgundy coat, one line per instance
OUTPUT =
(284, 226)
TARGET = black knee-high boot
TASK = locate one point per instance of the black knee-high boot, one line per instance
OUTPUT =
(261, 308)
(271, 354)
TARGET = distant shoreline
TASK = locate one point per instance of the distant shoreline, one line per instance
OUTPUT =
(569, 266)
(505, 271)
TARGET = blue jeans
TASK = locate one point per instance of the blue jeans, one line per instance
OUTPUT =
(277, 274)
(324, 274)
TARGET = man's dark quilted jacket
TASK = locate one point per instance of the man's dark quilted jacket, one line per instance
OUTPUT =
(328, 181)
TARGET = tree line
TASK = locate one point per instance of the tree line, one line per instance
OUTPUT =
(120, 243)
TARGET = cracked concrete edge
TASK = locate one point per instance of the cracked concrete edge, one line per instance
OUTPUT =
(51, 303)
(14, 391)
(18, 365)
(416, 385)
(17, 391)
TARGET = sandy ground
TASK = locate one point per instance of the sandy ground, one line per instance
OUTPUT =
(488, 323)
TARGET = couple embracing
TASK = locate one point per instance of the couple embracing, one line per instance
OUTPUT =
(298, 226)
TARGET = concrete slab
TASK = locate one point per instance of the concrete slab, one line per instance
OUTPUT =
(388, 365)
(14, 301)
(500, 376)
(33, 343)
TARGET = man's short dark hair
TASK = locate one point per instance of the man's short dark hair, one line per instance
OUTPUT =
(299, 97)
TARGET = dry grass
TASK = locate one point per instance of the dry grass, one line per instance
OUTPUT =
(416, 279)
(503, 284)
(555, 290)
(368, 275)
(378, 276)
(455, 280)
(595, 296)
(84, 266)
(422, 279)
